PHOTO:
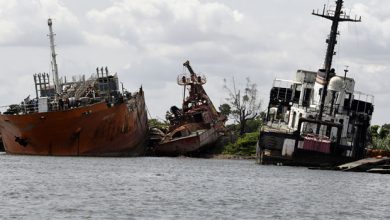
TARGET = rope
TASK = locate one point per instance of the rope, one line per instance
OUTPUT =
(147, 110)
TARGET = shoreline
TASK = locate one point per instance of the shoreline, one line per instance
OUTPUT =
(229, 157)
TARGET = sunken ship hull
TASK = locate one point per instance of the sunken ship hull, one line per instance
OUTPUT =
(188, 145)
(93, 130)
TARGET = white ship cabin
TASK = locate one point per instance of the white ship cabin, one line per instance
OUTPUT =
(300, 98)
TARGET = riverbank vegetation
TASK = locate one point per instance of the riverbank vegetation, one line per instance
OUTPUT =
(243, 108)
(243, 146)
(380, 136)
(155, 123)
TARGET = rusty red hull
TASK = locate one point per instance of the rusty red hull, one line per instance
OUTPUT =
(94, 130)
(189, 144)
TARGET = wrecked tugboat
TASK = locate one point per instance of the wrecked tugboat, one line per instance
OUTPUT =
(318, 119)
(196, 125)
(82, 117)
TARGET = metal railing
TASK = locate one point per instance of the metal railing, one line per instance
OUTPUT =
(19, 109)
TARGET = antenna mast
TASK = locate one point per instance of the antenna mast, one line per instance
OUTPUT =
(336, 17)
(53, 57)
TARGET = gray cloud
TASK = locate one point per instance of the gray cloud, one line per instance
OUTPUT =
(21, 22)
(146, 42)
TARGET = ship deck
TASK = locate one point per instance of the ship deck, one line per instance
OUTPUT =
(367, 164)
(192, 134)
(279, 127)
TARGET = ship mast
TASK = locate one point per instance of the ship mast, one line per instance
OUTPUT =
(53, 57)
(336, 17)
(196, 86)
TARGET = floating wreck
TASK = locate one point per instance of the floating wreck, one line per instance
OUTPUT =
(196, 125)
(88, 117)
(318, 119)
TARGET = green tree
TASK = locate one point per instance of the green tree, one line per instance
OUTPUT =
(155, 123)
(374, 130)
(244, 103)
(253, 125)
(225, 109)
(386, 126)
(384, 132)
(380, 136)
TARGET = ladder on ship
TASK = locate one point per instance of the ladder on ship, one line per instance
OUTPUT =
(84, 87)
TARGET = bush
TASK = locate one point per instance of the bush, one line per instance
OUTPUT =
(244, 146)
(155, 123)
(253, 125)
(381, 144)
(380, 137)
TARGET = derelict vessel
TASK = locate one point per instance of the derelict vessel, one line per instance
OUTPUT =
(85, 117)
(318, 119)
(196, 125)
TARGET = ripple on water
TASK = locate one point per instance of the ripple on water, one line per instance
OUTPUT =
(184, 188)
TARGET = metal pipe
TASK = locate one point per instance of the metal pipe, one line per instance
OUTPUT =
(36, 86)
(44, 83)
(40, 83)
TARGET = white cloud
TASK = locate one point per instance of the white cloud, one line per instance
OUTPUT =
(103, 40)
(8, 31)
(171, 21)
(20, 20)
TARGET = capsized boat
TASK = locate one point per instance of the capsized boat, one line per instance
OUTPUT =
(196, 125)
(318, 119)
(82, 117)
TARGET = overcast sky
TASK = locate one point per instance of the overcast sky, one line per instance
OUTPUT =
(146, 42)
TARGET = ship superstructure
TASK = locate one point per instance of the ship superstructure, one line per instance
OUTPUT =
(318, 118)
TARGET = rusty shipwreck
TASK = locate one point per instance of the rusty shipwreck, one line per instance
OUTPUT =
(85, 116)
(194, 127)
(317, 119)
